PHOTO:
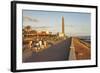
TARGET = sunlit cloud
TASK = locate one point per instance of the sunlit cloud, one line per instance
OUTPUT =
(28, 18)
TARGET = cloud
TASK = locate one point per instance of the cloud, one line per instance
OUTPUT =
(42, 27)
(28, 18)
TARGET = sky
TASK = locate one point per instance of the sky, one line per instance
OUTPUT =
(76, 24)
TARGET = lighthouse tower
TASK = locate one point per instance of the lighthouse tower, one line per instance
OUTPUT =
(62, 34)
(63, 25)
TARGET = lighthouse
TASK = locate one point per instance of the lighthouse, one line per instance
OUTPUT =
(62, 34)
(63, 25)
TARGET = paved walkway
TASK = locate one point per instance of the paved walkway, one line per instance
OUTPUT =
(58, 52)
